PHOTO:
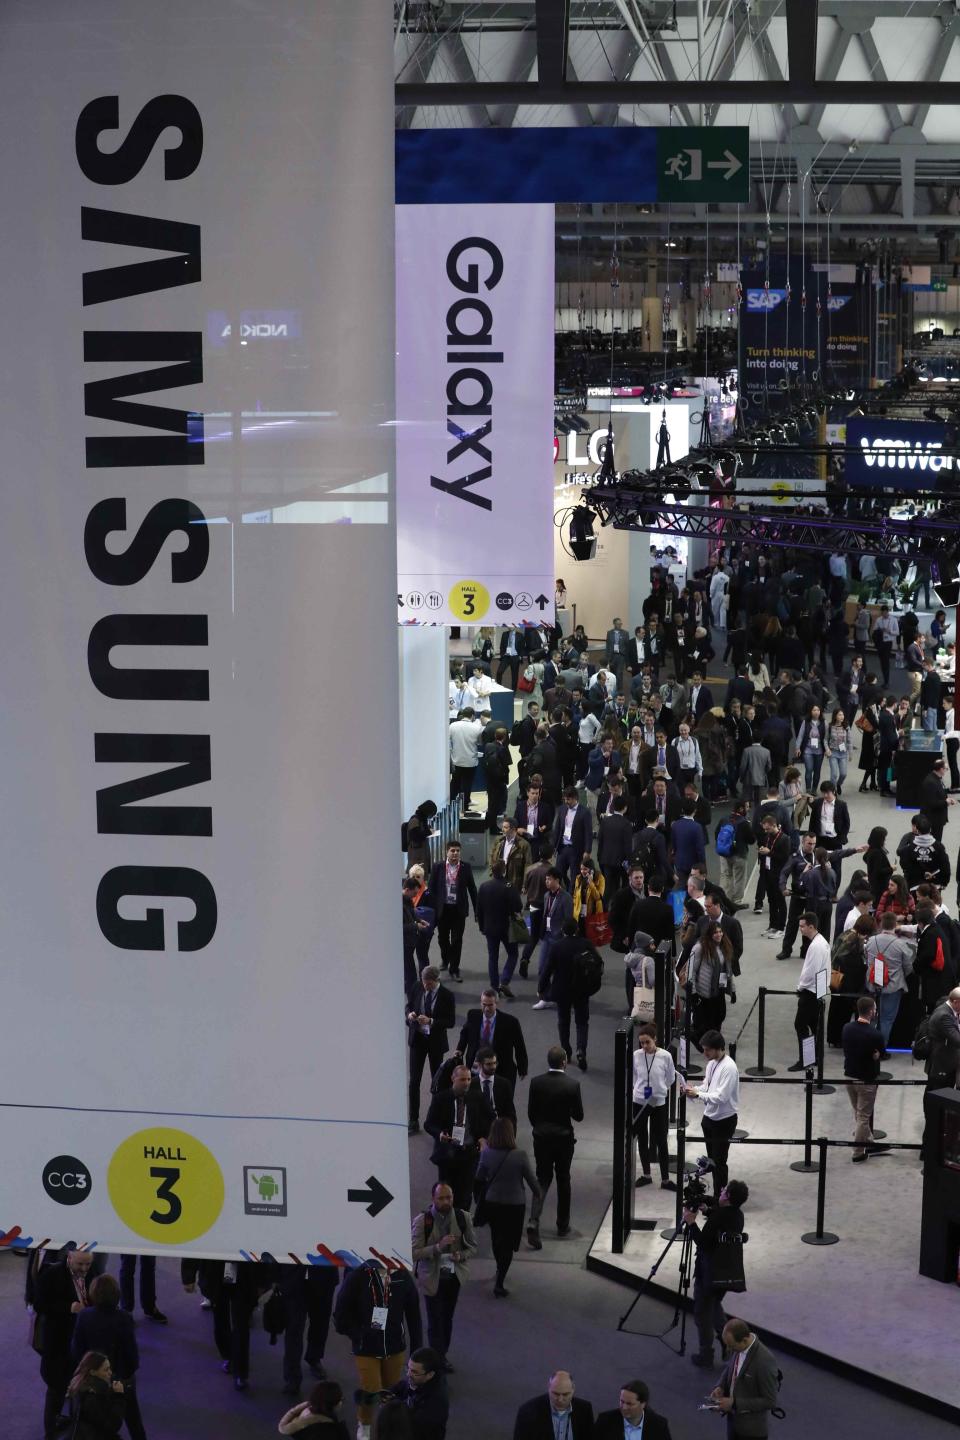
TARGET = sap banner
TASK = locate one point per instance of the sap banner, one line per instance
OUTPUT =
(475, 413)
(202, 1051)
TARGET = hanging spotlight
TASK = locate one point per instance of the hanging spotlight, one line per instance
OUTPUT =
(583, 542)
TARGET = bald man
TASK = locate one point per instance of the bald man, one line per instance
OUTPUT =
(559, 1412)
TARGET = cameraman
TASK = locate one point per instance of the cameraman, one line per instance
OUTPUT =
(711, 1279)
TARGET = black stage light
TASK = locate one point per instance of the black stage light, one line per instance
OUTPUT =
(583, 542)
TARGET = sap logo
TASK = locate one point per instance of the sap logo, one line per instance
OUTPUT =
(257, 332)
(765, 299)
(837, 302)
(905, 455)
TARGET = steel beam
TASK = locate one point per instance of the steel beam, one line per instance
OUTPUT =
(552, 31)
(682, 92)
(801, 40)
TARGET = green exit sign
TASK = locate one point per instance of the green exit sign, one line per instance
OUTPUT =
(939, 285)
(703, 163)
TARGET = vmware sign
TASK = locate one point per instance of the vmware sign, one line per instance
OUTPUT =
(905, 454)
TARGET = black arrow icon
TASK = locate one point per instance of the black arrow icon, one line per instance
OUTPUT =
(542, 601)
(376, 1197)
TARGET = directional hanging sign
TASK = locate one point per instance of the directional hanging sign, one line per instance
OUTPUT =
(703, 164)
(568, 164)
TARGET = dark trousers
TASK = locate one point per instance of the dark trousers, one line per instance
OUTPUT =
(614, 879)
(553, 1156)
(308, 1295)
(708, 1312)
(457, 1168)
(716, 1142)
(581, 1013)
(884, 651)
(461, 783)
(511, 663)
(952, 747)
(536, 932)
(496, 805)
(506, 1226)
(450, 928)
(55, 1371)
(796, 908)
(568, 863)
(651, 1124)
(493, 959)
(831, 843)
(770, 891)
(148, 1281)
(808, 1013)
(709, 1013)
(231, 1328)
(423, 1048)
(440, 1310)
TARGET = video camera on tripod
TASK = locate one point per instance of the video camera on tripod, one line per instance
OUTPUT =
(695, 1195)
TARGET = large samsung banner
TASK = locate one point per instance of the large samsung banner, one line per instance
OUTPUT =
(203, 1050)
(474, 413)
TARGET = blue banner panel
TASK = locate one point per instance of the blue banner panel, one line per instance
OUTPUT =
(904, 454)
(503, 167)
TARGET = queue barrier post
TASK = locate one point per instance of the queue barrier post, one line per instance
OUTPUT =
(760, 1068)
(820, 1087)
(807, 1166)
(821, 1236)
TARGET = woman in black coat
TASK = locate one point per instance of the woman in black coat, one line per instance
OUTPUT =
(102, 1326)
(867, 722)
(849, 958)
(97, 1400)
(877, 862)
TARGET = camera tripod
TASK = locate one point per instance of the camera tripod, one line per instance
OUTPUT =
(681, 1305)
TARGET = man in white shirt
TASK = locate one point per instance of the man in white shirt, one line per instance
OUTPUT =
(459, 696)
(480, 685)
(810, 989)
(720, 1093)
(464, 754)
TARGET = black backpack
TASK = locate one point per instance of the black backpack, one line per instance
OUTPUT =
(587, 973)
(922, 1046)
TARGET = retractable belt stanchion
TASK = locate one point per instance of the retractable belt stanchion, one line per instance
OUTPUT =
(820, 1088)
(760, 1068)
(821, 1236)
(807, 1166)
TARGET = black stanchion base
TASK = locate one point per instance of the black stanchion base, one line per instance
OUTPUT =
(668, 1234)
(824, 1090)
(643, 1224)
(803, 1169)
(879, 1134)
(812, 1238)
(760, 1070)
(885, 1075)
(742, 1134)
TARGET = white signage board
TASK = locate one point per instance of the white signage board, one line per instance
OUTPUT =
(205, 1054)
(474, 413)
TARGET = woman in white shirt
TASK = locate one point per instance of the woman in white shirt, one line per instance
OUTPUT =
(759, 674)
(653, 1076)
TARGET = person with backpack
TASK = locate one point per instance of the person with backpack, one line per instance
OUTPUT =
(889, 965)
(573, 973)
(733, 841)
(442, 1242)
(378, 1349)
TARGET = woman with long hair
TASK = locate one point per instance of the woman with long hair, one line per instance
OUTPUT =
(819, 885)
(812, 745)
(867, 722)
(587, 893)
(838, 747)
(849, 957)
(877, 861)
(792, 791)
(319, 1412)
(505, 1170)
(103, 1327)
(896, 898)
(710, 972)
(758, 672)
(97, 1400)
(654, 1075)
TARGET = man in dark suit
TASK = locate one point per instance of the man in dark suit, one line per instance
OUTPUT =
(572, 833)
(559, 1412)
(553, 1104)
(617, 642)
(652, 913)
(511, 649)
(496, 768)
(663, 798)
(544, 761)
(934, 798)
(497, 1091)
(451, 891)
(458, 1119)
(534, 817)
(634, 1411)
(499, 1031)
(432, 1012)
(614, 848)
(741, 688)
(638, 651)
(60, 1295)
(830, 822)
(497, 903)
(701, 696)
(524, 732)
(749, 1384)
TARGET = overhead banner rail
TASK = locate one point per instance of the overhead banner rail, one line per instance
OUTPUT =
(564, 165)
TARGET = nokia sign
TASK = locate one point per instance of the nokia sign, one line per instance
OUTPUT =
(906, 454)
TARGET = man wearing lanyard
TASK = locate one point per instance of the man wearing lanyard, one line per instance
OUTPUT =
(813, 983)
(720, 1093)
(557, 910)
(61, 1293)
(633, 1419)
(459, 1123)
(558, 1415)
(830, 822)
(747, 1392)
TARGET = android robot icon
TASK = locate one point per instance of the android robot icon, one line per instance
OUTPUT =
(264, 1190)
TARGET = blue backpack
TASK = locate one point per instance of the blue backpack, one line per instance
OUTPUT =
(726, 838)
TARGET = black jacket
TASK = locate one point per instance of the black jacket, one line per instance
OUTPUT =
(496, 902)
(533, 1420)
(100, 1411)
(615, 843)
(54, 1295)
(444, 1016)
(654, 915)
(545, 814)
(841, 819)
(922, 857)
(935, 985)
(502, 1096)
(524, 734)
(466, 888)
(554, 1102)
(496, 763)
(427, 1405)
(441, 1118)
(508, 1044)
(609, 1426)
(560, 971)
(370, 1285)
(111, 1331)
(544, 760)
(944, 1060)
(741, 688)
(933, 799)
(581, 834)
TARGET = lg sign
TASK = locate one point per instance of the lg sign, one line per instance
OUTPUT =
(576, 456)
